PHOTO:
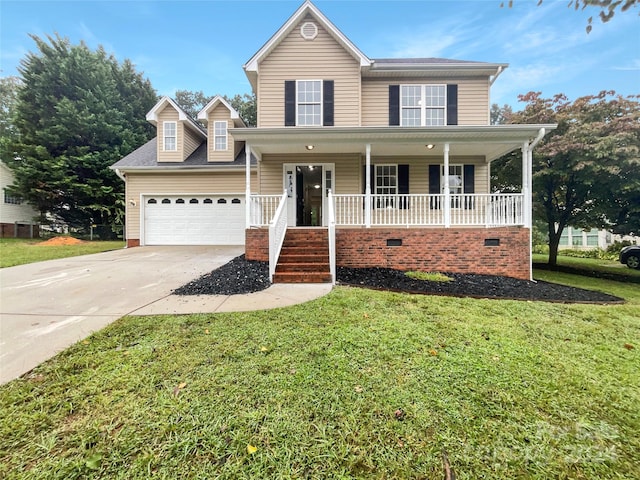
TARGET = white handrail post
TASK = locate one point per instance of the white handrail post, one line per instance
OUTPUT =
(447, 192)
(367, 190)
(247, 151)
(277, 232)
(332, 237)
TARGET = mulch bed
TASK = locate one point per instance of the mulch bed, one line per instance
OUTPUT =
(241, 276)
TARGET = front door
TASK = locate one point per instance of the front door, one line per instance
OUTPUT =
(307, 187)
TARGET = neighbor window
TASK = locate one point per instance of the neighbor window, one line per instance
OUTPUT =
(11, 199)
(309, 103)
(170, 135)
(220, 135)
(423, 105)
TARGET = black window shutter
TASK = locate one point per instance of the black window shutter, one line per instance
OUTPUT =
(469, 184)
(403, 185)
(452, 104)
(289, 103)
(327, 103)
(434, 185)
(394, 105)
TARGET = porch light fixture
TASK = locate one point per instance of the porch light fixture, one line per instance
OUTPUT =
(132, 202)
(309, 147)
(430, 146)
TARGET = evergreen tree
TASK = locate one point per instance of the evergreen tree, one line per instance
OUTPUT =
(79, 111)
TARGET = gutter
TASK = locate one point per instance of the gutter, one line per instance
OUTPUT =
(541, 133)
(120, 174)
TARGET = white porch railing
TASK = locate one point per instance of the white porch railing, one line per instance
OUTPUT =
(277, 231)
(263, 209)
(332, 236)
(413, 210)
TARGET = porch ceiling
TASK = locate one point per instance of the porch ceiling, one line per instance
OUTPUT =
(490, 141)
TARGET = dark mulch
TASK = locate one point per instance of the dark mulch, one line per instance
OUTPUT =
(244, 276)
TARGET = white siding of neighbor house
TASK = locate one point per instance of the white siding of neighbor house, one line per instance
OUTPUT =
(10, 212)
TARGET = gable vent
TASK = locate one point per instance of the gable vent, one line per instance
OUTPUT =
(309, 30)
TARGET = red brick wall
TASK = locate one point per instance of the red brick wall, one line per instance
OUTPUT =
(8, 230)
(133, 242)
(455, 250)
(256, 245)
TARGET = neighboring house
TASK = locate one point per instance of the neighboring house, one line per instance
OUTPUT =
(591, 239)
(17, 218)
(388, 159)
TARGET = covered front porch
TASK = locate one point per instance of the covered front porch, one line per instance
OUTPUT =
(371, 190)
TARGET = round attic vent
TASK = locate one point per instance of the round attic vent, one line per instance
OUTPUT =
(309, 30)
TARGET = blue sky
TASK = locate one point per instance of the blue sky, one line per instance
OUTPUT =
(202, 45)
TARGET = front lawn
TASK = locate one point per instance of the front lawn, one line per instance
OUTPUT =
(18, 251)
(358, 384)
(590, 265)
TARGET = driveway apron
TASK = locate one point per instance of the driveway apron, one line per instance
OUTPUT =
(47, 306)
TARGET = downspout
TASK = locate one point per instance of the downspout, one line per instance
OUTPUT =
(495, 77)
(535, 142)
(120, 174)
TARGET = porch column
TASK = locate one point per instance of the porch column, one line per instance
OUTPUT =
(526, 193)
(367, 189)
(447, 193)
(247, 151)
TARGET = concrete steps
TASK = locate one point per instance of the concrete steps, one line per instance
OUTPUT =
(304, 257)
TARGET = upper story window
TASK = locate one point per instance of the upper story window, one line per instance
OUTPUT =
(423, 105)
(309, 103)
(220, 135)
(170, 136)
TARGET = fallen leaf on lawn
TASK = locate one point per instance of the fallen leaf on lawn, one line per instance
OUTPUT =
(126, 352)
(628, 346)
(433, 352)
(86, 342)
(251, 449)
(366, 315)
(399, 414)
(358, 389)
(181, 385)
(207, 331)
(264, 349)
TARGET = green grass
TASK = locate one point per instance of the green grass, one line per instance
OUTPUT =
(590, 264)
(16, 251)
(510, 390)
(429, 276)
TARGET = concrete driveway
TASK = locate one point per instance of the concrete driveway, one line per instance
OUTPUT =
(47, 306)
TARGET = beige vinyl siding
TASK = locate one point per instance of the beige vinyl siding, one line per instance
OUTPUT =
(192, 140)
(473, 99)
(178, 183)
(298, 59)
(168, 114)
(219, 114)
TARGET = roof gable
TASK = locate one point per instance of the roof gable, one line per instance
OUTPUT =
(307, 8)
(218, 100)
(183, 116)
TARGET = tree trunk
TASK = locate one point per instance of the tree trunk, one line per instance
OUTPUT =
(554, 242)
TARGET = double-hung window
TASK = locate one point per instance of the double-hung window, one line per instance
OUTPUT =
(386, 185)
(170, 135)
(423, 105)
(309, 103)
(456, 184)
(220, 135)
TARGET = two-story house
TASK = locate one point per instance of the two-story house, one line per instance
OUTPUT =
(354, 162)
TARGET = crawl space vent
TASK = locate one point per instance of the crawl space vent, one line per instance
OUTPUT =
(309, 30)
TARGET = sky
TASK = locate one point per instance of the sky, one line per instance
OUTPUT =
(202, 45)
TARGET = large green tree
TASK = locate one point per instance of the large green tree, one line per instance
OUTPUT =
(79, 111)
(585, 173)
(193, 102)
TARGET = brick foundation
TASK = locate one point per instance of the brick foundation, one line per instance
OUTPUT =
(494, 251)
(23, 230)
(256, 245)
(133, 242)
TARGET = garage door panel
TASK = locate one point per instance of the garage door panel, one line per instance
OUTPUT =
(200, 220)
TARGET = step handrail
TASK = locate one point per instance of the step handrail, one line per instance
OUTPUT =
(277, 232)
(332, 236)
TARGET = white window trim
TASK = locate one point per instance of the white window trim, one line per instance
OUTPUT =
(217, 136)
(423, 106)
(164, 136)
(321, 101)
(461, 186)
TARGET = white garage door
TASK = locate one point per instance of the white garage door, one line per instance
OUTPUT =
(194, 220)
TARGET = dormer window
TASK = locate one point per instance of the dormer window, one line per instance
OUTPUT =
(169, 136)
(220, 135)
